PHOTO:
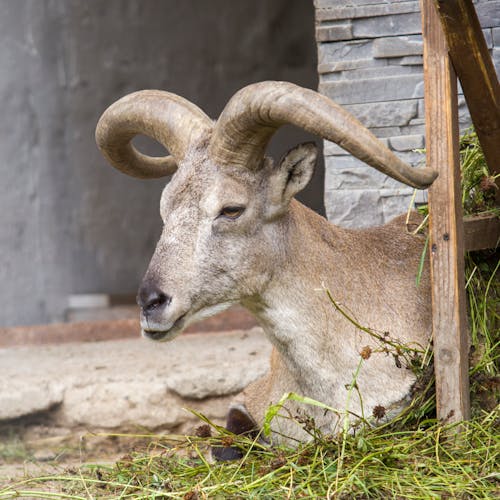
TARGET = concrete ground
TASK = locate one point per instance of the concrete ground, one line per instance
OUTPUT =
(52, 395)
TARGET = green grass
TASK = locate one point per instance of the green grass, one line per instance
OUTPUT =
(413, 456)
(478, 186)
(426, 461)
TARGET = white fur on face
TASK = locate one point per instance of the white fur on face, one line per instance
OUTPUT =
(203, 260)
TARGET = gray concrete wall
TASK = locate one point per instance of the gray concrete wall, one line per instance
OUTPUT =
(69, 223)
(370, 61)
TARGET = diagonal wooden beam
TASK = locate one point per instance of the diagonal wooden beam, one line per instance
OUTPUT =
(476, 72)
(446, 224)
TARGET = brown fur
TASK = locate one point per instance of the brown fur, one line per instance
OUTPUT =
(276, 257)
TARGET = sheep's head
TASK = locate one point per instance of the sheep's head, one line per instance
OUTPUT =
(225, 209)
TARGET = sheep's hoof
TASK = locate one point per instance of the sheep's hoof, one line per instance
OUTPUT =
(238, 422)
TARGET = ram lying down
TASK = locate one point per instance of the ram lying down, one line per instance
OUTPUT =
(234, 234)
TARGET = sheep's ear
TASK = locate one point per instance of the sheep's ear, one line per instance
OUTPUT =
(292, 175)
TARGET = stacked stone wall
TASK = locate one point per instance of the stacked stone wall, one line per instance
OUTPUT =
(370, 61)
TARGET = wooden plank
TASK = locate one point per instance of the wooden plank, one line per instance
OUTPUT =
(481, 232)
(475, 69)
(446, 225)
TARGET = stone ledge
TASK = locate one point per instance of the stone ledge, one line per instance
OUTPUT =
(117, 384)
(413, 158)
(407, 142)
(488, 13)
(396, 24)
(329, 10)
(385, 113)
(344, 52)
(361, 74)
(339, 32)
(412, 61)
(338, 66)
(334, 10)
(18, 398)
(347, 174)
(373, 89)
(398, 46)
(93, 331)
(496, 36)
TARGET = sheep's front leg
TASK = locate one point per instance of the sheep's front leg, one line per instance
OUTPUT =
(239, 421)
(247, 411)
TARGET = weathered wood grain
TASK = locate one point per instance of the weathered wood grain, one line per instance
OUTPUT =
(446, 224)
(481, 232)
(476, 72)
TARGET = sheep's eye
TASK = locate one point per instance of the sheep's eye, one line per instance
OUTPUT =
(231, 212)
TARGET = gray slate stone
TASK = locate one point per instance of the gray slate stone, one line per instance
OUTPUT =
(366, 208)
(385, 114)
(332, 4)
(383, 132)
(488, 36)
(375, 27)
(332, 33)
(339, 66)
(388, 70)
(407, 142)
(373, 89)
(417, 121)
(464, 119)
(334, 52)
(421, 108)
(413, 158)
(488, 13)
(415, 127)
(395, 205)
(412, 61)
(418, 91)
(350, 77)
(348, 173)
(332, 152)
(399, 46)
(496, 60)
(354, 208)
(331, 10)
(496, 36)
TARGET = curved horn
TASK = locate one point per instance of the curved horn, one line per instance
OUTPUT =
(171, 120)
(254, 114)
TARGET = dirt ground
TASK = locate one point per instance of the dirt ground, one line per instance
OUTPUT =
(62, 405)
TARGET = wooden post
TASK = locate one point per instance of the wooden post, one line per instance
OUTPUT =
(446, 226)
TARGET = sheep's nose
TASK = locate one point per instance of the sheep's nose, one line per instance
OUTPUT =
(151, 298)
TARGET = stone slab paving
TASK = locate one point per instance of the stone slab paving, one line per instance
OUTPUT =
(130, 382)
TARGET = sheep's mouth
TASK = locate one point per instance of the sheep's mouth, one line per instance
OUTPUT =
(170, 333)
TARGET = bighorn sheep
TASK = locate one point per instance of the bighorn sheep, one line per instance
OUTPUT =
(234, 234)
